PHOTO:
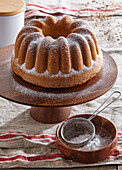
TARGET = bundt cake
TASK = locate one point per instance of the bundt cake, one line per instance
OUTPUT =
(56, 53)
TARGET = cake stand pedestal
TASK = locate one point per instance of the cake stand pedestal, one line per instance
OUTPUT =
(53, 105)
(50, 114)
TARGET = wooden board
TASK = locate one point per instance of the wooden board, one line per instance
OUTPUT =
(13, 88)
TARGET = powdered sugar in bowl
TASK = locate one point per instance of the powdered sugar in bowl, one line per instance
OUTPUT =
(100, 148)
(78, 132)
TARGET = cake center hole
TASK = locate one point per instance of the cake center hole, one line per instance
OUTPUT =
(56, 32)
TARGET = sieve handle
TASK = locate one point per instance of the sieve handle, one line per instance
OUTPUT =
(98, 111)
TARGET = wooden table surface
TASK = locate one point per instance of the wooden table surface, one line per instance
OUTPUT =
(107, 167)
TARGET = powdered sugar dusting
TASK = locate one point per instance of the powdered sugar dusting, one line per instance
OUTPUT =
(59, 74)
(80, 138)
(97, 143)
(44, 96)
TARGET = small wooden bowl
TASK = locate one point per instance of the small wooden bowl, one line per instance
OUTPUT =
(103, 127)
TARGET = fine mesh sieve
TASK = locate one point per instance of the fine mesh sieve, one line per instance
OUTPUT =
(78, 131)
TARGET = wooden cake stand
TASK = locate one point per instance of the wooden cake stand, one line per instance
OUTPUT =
(52, 105)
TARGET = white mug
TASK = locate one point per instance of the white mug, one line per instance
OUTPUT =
(10, 27)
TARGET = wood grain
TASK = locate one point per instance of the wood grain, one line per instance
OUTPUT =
(103, 167)
(50, 114)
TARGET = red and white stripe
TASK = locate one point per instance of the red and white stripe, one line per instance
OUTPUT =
(56, 10)
(116, 154)
(42, 138)
(74, 10)
(119, 133)
(27, 158)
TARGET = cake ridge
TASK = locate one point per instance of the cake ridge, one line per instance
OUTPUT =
(24, 45)
(86, 32)
(41, 59)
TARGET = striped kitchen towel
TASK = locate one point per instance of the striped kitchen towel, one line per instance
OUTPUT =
(27, 143)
